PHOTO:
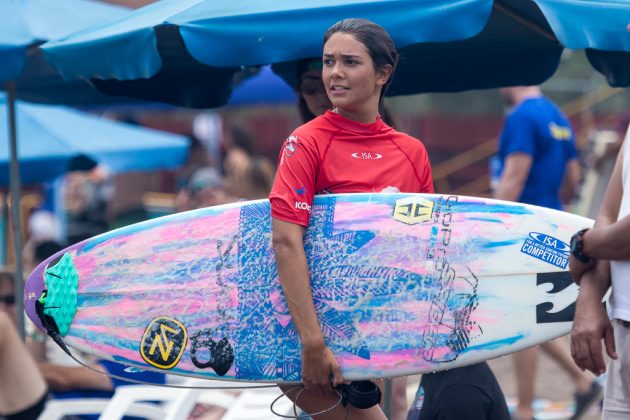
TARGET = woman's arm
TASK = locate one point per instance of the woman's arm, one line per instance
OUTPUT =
(318, 363)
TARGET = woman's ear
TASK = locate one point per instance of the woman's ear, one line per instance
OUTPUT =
(383, 75)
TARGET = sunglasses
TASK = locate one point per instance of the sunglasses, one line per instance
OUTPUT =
(7, 299)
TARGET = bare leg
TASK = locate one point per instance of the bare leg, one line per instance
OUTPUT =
(399, 398)
(525, 365)
(311, 403)
(20, 381)
(559, 352)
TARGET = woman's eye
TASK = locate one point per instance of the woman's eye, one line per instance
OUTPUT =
(328, 62)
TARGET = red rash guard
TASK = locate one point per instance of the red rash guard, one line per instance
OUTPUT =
(332, 154)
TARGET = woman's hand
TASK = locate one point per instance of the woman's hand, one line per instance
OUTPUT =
(320, 370)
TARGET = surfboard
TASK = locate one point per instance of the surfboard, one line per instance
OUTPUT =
(402, 284)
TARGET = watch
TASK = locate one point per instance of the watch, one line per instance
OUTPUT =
(577, 247)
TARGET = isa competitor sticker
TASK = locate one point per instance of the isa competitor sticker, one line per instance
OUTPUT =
(547, 248)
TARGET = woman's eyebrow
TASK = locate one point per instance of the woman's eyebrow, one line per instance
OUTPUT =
(329, 55)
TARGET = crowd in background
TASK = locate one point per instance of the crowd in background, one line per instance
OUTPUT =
(221, 168)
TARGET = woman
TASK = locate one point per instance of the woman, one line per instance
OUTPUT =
(312, 98)
(22, 388)
(313, 102)
(349, 149)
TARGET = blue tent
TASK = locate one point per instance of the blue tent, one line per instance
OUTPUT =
(263, 87)
(50, 136)
(187, 51)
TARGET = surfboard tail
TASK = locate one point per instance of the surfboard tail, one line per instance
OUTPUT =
(51, 294)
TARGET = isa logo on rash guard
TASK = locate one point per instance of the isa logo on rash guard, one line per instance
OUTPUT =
(290, 146)
(546, 248)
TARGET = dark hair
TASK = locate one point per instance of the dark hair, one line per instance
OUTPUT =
(46, 249)
(305, 114)
(301, 67)
(242, 138)
(379, 44)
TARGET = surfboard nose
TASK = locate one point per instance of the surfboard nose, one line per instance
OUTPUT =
(33, 288)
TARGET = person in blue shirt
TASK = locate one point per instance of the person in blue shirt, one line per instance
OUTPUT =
(537, 164)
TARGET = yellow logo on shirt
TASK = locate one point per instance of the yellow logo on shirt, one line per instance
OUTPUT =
(559, 132)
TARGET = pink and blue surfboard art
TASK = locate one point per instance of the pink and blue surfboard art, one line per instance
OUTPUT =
(402, 283)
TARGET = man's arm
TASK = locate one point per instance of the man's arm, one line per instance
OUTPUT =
(609, 237)
(515, 173)
(570, 181)
(68, 378)
(591, 324)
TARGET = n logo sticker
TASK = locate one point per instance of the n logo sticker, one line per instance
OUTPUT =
(413, 210)
(163, 342)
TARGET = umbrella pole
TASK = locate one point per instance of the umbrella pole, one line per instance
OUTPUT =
(15, 186)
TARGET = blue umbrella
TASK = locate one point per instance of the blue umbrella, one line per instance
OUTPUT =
(264, 87)
(30, 22)
(25, 25)
(187, 51)
(50, 136)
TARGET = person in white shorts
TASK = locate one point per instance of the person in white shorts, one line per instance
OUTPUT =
(600, 258)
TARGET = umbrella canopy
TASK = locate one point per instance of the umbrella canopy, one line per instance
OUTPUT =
(26, 24)
(186, 51)
(30, 22)
(33, 22)
(50, 136)
(264, 87)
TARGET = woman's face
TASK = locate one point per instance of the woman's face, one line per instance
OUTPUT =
(349, 76)
(313, 91)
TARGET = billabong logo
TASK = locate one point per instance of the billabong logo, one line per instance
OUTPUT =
(556, 309)
(163, 342)
(366, 155)
(413, 210)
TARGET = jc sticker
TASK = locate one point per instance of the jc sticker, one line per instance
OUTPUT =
(163, 342)
(413, 210)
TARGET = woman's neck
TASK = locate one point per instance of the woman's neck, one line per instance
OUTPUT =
(366, 117)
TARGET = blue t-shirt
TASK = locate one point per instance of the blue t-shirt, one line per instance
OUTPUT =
(538, 128)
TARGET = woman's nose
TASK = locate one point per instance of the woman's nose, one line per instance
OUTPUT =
(336, 70)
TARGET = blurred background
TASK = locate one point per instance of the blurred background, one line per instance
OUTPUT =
(190, 158)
